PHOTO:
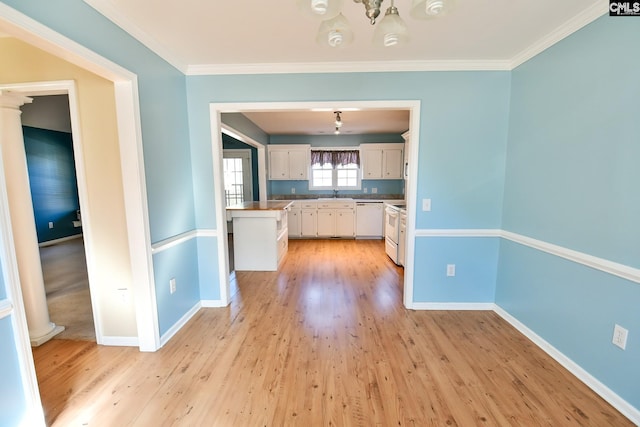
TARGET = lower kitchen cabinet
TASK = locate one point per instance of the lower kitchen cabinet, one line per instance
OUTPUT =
(308, 223)
(295, 226)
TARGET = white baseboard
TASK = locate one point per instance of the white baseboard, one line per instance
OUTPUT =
(60, 240)
(602, 390)
(213, 303)
(485, 306)
(179, 324)
(120, 341)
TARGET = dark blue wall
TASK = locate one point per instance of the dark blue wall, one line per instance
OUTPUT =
(52, 176)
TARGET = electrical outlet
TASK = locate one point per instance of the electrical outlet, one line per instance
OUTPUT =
(50, 224)
(451, 270)
(620, 336)
(374, 190)
(293, 190)
(172, 285)
(426, 205)
(366, 190)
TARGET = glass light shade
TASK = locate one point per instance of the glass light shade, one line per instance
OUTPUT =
(335, 32)
(428, 9)
(323, 9)
(391, 31)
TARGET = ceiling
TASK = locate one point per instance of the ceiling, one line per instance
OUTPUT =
(240, 36)
(323, 122)
(251, 36)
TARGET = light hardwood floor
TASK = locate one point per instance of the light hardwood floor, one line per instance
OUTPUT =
(324, 342)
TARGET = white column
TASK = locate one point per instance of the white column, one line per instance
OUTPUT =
(41, 329)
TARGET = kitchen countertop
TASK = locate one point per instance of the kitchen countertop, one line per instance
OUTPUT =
(355, 197)
(269, 205)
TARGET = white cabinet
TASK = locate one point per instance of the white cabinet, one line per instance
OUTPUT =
(382, 161)
(371, 163)
(326, 223)
(260, 238)
(345, 223)
(336, 219)
(308, 223)
(308, 219)
(295, 229)
(289, 162)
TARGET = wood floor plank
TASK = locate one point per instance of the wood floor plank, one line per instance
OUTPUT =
(323, 342)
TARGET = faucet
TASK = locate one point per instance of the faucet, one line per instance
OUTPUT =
(335, 194)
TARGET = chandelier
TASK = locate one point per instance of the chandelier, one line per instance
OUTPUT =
(391, 30)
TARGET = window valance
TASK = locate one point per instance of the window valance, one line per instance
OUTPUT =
(335, 157)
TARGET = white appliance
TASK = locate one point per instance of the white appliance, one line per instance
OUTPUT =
(402, 240)
(392, 231)
(369, 220)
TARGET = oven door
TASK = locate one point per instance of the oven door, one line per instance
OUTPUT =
(391, 224)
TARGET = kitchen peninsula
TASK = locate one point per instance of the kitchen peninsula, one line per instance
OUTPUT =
(260, 234)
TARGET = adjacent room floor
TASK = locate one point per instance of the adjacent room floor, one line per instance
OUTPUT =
(66, 284)
(324, 341)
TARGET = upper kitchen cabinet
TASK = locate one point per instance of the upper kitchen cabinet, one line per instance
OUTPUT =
(289, 162)
(382, 161)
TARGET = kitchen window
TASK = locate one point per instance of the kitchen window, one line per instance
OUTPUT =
(335, 170)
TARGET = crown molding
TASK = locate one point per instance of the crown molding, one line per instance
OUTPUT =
(571, 26)
(106, 9)
(584, 18)
(349, 67)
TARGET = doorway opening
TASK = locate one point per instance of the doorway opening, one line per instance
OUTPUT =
(50, 155)
(217, 112)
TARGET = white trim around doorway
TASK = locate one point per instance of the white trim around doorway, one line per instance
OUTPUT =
(216, 109)
(30, 31)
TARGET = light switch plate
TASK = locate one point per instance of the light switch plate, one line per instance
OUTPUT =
(426, 205)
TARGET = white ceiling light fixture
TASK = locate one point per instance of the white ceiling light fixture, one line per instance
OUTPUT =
(338, 122)
(428, 9)
(325, 9)
(391, 31)
(335, 31)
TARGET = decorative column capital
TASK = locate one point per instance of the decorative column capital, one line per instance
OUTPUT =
(13, 100)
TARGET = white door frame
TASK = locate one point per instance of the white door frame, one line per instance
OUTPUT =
(217, 109)
(32, 32)
(68, 87)
(247, 172)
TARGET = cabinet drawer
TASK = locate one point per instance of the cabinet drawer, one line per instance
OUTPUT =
(306, 205)
(336, 205)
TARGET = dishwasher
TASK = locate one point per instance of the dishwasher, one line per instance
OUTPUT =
(369, 220)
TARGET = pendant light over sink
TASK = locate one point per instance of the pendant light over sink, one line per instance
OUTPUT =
(336, 32)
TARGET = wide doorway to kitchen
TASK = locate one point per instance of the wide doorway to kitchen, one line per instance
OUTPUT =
(232, 117)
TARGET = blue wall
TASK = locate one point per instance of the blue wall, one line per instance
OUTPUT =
(52, 177)
(567, 116)
(165, 134)
(12, 404)
(572, 180)
(463, 133)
